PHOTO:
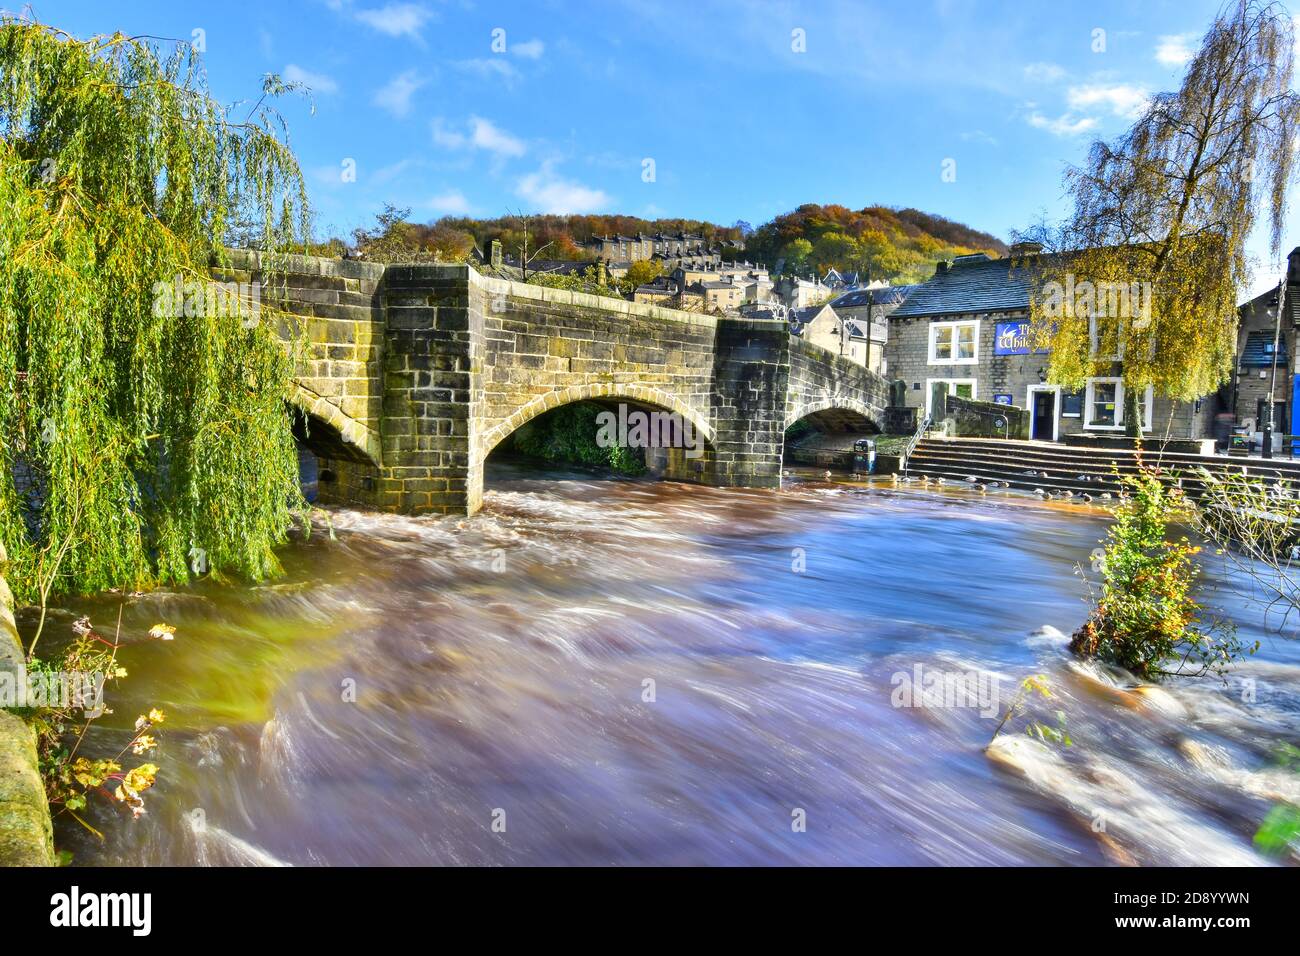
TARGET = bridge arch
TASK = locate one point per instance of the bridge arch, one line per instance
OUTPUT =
(632, 393)
(835, 413)
(341, 437)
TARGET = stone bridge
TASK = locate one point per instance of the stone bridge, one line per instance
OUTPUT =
(412, 374)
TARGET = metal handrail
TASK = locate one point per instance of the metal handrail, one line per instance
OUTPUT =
(915, 440)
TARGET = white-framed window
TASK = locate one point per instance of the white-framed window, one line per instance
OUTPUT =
(961, 387)
(1104, 404)
(955, 343)
(1106, 335)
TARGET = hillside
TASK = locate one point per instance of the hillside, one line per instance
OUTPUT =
(901, 245)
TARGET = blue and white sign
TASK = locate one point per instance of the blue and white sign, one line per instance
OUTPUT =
(1012, 338)
(1002, 398)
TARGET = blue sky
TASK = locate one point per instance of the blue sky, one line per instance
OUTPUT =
(747, 108)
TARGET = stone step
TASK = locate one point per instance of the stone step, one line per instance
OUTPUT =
(1058, 469)
(1083, 456)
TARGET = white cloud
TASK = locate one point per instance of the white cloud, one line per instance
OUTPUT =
(1174, 49)
(529, 50)
(316, 82)
(551, 194)
(396, 19)
(447, 138)
(1044, 73)
(495, 66)
(486, 135)
(979, 136)
(451, 202)
(395, 96)
(1121, 99)
(483, 134)
(1065, 125)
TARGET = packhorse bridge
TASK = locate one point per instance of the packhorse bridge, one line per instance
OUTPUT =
(413, 374)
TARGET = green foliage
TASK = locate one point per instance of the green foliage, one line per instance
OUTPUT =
(71, 777)
(1279, 831)
(587, 281)
(150, 434)
(1047, 733)
(568, 434)
(1146, 617)
(639, 273)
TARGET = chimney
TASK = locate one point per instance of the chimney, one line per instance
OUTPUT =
(941, 267)
(494, 253)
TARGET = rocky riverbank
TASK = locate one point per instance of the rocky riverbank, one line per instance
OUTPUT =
(25, 831)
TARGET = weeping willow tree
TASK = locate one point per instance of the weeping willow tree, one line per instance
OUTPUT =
(150, 441)
(1154, 252)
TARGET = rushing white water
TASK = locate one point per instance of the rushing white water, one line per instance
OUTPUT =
(626, 672)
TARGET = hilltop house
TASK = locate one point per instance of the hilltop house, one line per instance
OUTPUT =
(967, 328)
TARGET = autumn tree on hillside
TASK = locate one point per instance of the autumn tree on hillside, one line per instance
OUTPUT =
(641, 272)
(1156, 240)
(394, 238)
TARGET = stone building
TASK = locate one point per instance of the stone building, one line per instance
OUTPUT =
(967, 327)
(1254, 370)
(867, 311)
(797, 293)
(664, 245)
(844, 335)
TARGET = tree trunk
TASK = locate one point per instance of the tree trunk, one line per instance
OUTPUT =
(1132, 413)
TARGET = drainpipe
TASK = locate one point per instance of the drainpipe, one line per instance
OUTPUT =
(1272, 381)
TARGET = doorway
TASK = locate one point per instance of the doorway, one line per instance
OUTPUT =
(1043, 420)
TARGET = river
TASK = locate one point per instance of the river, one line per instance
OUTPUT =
(618, 672)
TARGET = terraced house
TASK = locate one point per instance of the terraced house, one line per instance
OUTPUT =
(967, 329)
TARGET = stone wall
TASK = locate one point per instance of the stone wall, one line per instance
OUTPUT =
(25, 830)
(751, 382)
(336, 330)
(971, 419)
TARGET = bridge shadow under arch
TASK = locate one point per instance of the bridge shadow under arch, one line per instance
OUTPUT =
(681, 439)
(822, 433)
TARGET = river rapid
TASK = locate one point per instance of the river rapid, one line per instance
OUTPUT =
(596, 671)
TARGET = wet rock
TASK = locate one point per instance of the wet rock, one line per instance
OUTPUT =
(1159, 699)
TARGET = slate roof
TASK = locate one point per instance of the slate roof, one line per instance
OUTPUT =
(970, 284)
(1258, 352)
(886, 295)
